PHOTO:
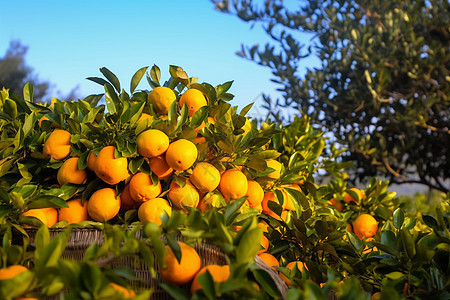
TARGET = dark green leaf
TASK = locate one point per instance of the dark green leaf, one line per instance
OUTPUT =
(267, 283)
(399, 218)
(112, 78)
(28, 92)
(137, 78)
(207, 283)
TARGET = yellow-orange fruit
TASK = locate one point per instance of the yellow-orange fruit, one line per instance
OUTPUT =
(152, 142)
(337, 204)
(153, 209)
(270, 260)
(276, 165)
(159, 166)
(57, 146)
(180, 272)
(233, 184)
(210, 200)
(348, 198)
(365, 226)
(290, 266)
(69, 172)
(52, 215)
(91, 161)
(255, 195)
(11, 271)
(181, 154)
(103, 205)
(142, 187)
(38, 213)
(194, 99)
(270, 196)
(125, 293)
(109, 169)
(265, 244)
(75, 213)
(183, 196)
(218, 274)
(205, 177)
(161, 98)
(289, 204)
(126, 201)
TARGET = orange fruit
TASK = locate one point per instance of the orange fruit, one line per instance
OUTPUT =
(255, 195)
(11, 271)
(75, 213)
(265, 244)
(290, 266)
(145, 116)
(181, 154)
(152, 142)
(153, 209)
(365, 226)
(199, 140)
(264, 226)
(125, 293)
(203, 125)
(183, 196)
(194, 99)
(180, 272)
(210, 200)
(205, 177)
(274, 164)
(109, 169)
(52, 215)
(218, 274)
(289, 204)
(348, 198)
(159, 166)
(269, 259)
(126, 201)
(91, 161)
(43, 118)
(161, 98)
(103, 205)
(142, 187)
(69, 172)
(371, 249)
(337, 204)
(57, 146)
(233, 184)
(349, 228)
(270, 196)
(376, 296)
(38, 213)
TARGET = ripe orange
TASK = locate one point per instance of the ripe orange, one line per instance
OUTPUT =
(153, 209)
(376, 296)
(348, 198)
(11, 271)
(126, 201)
(161, 98)
(274, 164)
(265, 244)
(52, 215)
(152, 142)
(142, 187)
(91, 161)
(205, 177)
(103, 205)
(365, 226)
(337, 204)
(125, 293)
(289, 204)
(290, 266)
(181, 154)
(255, 195)
(180, 272)
(75, 213)
(270, 196)
(57, 146)
(218, 273)
(269, 259)
(69, 172)
(264, 226)
(38, 213)
(194, 99)
(210, 200)
(203, 125)
(109, 169)
(183, 196)
(159, 166)
(233, 184)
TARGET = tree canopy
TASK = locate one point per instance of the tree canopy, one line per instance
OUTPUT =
(382, 87)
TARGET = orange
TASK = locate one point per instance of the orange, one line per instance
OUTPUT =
(43, 118)
(145, 116)
(153, 209)
(218, 274)
(371, 249)
(109, 169)
(274, 164)
(365, 226)
(233, 184)
(180, 272)
(52, 215)
(11, 271)
(255, 195)
(289, 204)
(152, 142)
(199, 140)
(181, 154)
(348, 198)
(126, 201)
(270, 196)
(183, 196)
(161, 98)
(75, 213)
(142, 187)
(269, 259)
(91, 161)
(290, 266)
(210, 200)
(203, 125)
(337, 204)
(194, 99)
(69, 172)
(38, 213)
(103, 205)
(264, 226)
(125, 293)
(159, 166)
(57, 146)
(349, 228)
(264, 243)
(376, 296)
(205, 177)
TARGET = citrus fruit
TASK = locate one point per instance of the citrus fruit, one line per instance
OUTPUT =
(181, 154)
(152, 142)
(233, 184)
(69, 172)
(91, 161)
(52, 215)
(159, 166)
(109, 169)
(211, 200)
(126, 201)
(103, 205)
(203, 125)
(43, 118)
(276, 165)
(125, 293)
(205, 177)
(348, 198)
(180, 272)
(365, 226)
(270, 260)
(289, 204)
(255, 195)
(183, 196)
(153, 209)
(57, 146)
(270, 196)
(264, 243)
(161, 98)
(11, 271)
(142, 187)
(337, 204)
(75, 213)
(38, 213)
(194, 99)
(290, 266)
(218, 274)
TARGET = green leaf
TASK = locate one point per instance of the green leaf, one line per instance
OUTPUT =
(399, 218)
(111, 77)
(430, 222)
(10, 108)
(356, 242)
(231, 210)
(207, 283)
(91, 278)
(179, 74)
(175, 291)
(199, 116)
(155, 74)
(111, 99)
(28, 92)
(42, 201)
(98, 80)
(266, 282)
(173, 244)
(137, 77)
(249, 245)
(246, 109)
(408, 243)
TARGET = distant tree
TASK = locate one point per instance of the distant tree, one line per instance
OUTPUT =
(383, 85)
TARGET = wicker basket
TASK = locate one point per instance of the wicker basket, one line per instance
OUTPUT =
(81, 238)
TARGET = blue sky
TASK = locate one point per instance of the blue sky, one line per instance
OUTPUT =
(70, 40)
